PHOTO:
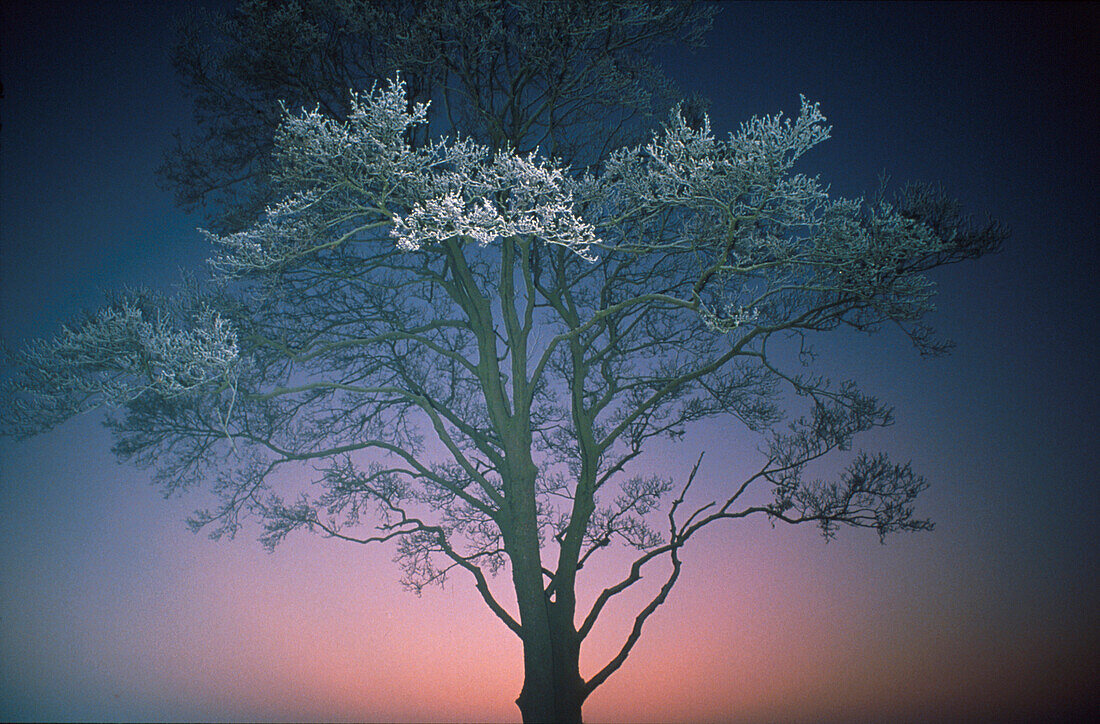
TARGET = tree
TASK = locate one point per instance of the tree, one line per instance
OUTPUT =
(573, 77)
(465, 346)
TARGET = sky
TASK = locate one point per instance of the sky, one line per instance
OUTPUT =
(110, 609)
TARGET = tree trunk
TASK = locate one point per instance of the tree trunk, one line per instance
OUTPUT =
(553, 690)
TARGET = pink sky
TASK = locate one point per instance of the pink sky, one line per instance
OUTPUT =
(125, 614)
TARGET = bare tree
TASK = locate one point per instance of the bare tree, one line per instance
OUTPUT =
(464, 346)
(572, 77)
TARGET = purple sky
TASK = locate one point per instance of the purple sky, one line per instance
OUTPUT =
(110, 609)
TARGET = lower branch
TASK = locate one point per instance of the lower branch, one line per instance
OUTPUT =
(480, 582)
(872, 493)
(636, 630)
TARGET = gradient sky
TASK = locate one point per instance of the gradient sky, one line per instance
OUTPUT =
(111, 609)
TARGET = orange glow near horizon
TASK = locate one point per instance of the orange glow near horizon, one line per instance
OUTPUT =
(764, 624)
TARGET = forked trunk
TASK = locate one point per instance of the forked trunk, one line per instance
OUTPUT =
(553, 690)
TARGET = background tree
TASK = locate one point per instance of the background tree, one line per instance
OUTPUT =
(573, 78)
(464, 347)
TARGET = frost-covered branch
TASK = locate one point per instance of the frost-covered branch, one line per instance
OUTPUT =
(347, 178)
(137, 346)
